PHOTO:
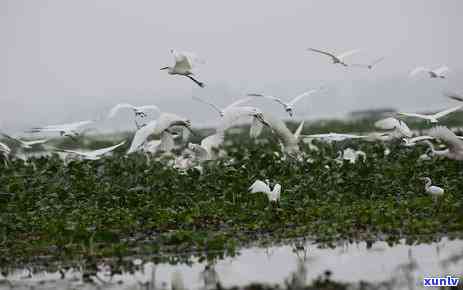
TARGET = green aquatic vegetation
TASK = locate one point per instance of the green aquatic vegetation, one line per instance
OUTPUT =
(125, 205)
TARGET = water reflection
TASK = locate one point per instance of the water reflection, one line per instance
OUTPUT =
(291, 266)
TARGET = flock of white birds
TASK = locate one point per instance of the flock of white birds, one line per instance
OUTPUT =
(167, 124)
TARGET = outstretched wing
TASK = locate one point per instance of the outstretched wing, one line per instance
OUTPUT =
(106, 150)
(141, 135)
(323, 52)
(114, 110)
(446, 112)
(298, 131)
(207, 103)
(299, 97)
(418, 70)
(454, 96)
(238, 102)
(441, 70)
(259, 186)
(278, 100)
(348, 53)
(444, 134)
(149, 107)
(414, 115)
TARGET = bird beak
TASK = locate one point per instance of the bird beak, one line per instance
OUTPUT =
(164, 68)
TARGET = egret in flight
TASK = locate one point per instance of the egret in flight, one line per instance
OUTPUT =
(140, 111)
(433, 73)
(68, 130)
(95, 154)
(25, 144)
(433, 118)
(206, 150)
(184, 63)
(434, 191)
(453, 142)
(288, 106)
(224, 110)
(399, 126)
(370, 65)
(260, 186)
(337, 58)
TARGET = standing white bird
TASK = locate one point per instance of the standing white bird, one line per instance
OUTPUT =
(434, 191)
(288, 106)
(260, 186)
(455, 144)
(184, 63)
(433, 118)
(399, 126)
(95, 154)
(370, 65)
(139, 111)
(433, 73)
(25, 144)
(69, 130)
(337, 58)
(224, 110)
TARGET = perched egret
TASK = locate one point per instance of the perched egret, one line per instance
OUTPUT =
(25, 144)
(288, 106)
(68, 130)
(184, 63)
(339, 58)
(95, 154)
(370, 65)
(260, 186)
(455, 144)
(224, 110)
(140, 111)
(434, 191)
(433, 118)
(351, 155)
(397, 125)
(433, 73)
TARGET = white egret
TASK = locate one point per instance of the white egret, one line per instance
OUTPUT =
(140, 111)
(370, 65)
(4, 151)
(434, 191)
(260, 186)
(68, 130)
(455, 145)
(288, 106)
(224, 110)
(233, 114)
(433, 73)
(95, 154)
(184, 63)
(288, 140)
(25, 144)
(206, 150)
(397, 125)
(337, 58)
(433, 118)
(351, 155)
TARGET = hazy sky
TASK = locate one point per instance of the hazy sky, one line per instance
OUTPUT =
(67, 60)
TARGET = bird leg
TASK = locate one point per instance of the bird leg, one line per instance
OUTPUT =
(196, 81)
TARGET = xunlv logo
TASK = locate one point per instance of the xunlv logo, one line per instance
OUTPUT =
(447, 281)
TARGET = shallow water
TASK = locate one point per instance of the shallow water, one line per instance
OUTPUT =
(402, 266)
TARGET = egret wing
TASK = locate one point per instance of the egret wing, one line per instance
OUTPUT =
(299, 97)
(444, 134)
(141, 135)
(259, 186)
(348, 53)
(446, 112)
(114, 110)
(441, 70)
(322, 52)
(418, 70)
(106, 150)
(209, 104)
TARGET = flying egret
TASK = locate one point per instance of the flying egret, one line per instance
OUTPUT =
(25, 144)
(455, 144)
(434, 191)
(260, 186)
(397, 125)
(288, 106)
(140, 111)
(454, 96)
(68, 130)
(184, 63)
(224, 110)
(339, 58)
(433, 118)
(288, 140)
(234, 114)
(205, 150)
(370, 65)
(433, 73)
(95, 154)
